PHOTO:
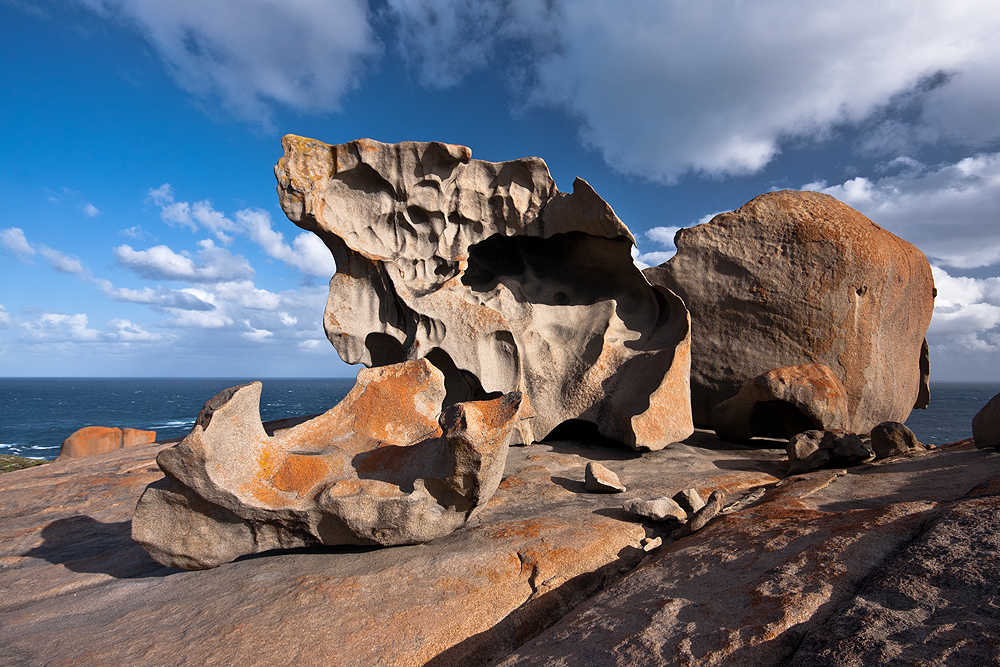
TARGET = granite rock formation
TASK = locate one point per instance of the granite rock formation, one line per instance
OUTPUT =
(986, 425)
(801, 278)
(498, 279)
(814, 449)
(783, 402)
(379, 468)
(893, 439)
(91, 440)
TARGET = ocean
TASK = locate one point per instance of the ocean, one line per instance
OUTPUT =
(37, 414)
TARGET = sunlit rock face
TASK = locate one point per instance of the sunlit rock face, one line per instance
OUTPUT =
(385, 466)
(795, 278)
(500, 280)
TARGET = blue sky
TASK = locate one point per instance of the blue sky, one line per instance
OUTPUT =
(140, 233)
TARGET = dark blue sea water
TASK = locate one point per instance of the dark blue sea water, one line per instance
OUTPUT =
(37, 414)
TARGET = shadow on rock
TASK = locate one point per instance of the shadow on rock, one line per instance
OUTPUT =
(571, 485)
(538, 613)
(82, 544)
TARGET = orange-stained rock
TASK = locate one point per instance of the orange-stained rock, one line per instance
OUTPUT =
(795, 278)
(132, 437)
(894, 564)
(500, 280)
(90, 440)
(783, 402)
(386, 466)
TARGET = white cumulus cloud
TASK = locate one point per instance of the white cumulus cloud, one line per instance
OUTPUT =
(161, 263)
(60, 327)
(667, 87)
(252, 54)
(951, 211)
(14, 240)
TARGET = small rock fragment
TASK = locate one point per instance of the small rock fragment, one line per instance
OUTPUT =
(702, 516)
(892, 438)
(599, 479)
(689, 500)
(986, 425)
(658, 509)
(652, 543)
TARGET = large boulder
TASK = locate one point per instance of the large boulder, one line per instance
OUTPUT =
(380, 468)
(91, 440)
(796, 278)
(500, 280)
(986, 425)
(783, 402)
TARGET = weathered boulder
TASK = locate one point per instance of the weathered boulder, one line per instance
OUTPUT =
(379, 468)
(893, 438)
(91, 440)
(689, 500)
(814, 449)
(500, 280)
(796, 278)
(783, 402)
(986, 425)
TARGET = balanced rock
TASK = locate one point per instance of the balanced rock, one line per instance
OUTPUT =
(91, 440)
(893, 438)
(380, 468)
(783, 402)
(498, 279)
(598, 479)
(814, 449)
(986, 425)
(801, 278)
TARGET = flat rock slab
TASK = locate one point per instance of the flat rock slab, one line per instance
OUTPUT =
(76, 589)
(894, 563)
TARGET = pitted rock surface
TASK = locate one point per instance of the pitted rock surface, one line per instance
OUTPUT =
(378, 468)
(500, 280)
(801, 278)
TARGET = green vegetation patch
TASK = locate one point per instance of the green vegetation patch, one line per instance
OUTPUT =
(9, 462)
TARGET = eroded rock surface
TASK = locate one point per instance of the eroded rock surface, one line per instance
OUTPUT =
(380, 468)
(91, 440)
(801, 278)
(77, 589)
(893, 439)
(500, 280)
(888, 564)
(783, 402)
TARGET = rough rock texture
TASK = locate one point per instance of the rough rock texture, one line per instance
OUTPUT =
(783, 402)
(689, 500)
(801, 278)
(375, 469)
(893, 439)
(76, 588)
(500, 280)
(598, 479)
(91, 440)
(889, 564)
(657, 509)
(810, 450)
(986, 425)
